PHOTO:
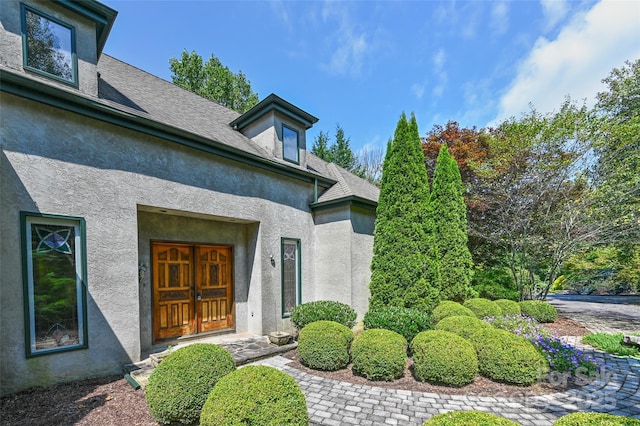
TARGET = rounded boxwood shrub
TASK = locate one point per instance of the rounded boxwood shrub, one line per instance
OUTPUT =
(323, 310)
(508, 307)
(379, 354)
(404, 321)
(475, 418)
(506, 357)
(324, 345)
(255, 395)
(483, 307)
(595, 419)
(539, 310)
(443, 357)
(179, 386)
(447, 308)
(462, 326)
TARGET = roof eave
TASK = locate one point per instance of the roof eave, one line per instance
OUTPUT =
(349, 201)
(274, 103)
(101, 14)
(28, 88)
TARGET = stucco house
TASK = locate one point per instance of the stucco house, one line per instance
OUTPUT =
(135, 212)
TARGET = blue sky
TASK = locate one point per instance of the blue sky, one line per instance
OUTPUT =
(362, 63)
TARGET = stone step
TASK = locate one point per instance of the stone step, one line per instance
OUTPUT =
(243, 351)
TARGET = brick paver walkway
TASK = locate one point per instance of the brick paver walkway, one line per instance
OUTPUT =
(331, 402)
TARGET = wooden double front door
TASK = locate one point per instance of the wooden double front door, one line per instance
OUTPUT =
(192, 289)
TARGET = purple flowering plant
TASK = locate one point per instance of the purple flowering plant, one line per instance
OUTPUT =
(562, 356)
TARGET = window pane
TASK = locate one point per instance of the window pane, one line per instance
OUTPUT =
(49, 46)
(290, 140)
(290, 275)
(55, 285)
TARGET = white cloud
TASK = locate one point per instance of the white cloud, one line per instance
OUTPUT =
(439, 58)
(279, 9)
(553, 11)
(440, 74)
(418, 90)
(349, 45)
(574, 64)
(499, 17)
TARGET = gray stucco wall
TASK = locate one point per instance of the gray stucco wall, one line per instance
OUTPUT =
(118, 180)
(344, 246)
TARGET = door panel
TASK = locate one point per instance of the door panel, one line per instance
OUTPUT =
(193, 289)
(214, 288)
(172, 285)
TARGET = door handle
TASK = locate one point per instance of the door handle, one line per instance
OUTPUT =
(198, 296)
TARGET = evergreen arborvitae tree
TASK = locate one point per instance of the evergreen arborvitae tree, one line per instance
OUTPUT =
(404, 269)
(450, 216)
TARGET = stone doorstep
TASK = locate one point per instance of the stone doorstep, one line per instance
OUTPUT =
(242, 351)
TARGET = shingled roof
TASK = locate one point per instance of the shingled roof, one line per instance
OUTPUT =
(139, 93)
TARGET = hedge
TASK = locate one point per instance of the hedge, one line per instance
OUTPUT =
(324, 345)
(443, 357)
(323, 310)
(379, 354)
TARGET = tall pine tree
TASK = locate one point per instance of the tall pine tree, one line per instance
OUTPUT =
(450, 216)
(404, 268)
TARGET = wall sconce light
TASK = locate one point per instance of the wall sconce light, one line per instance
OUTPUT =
(273, 261)
(142, 271)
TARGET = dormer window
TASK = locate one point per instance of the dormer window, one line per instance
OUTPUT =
(48, 46)
(290, 145)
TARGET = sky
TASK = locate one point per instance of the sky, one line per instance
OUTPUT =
(360, 64)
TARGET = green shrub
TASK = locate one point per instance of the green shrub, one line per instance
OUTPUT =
(495, 283)
(595, 419)
(324, 345)
(611, 343)
(323, 310)
(464, 327)
(179, 386)
(379, 354)
(508, 307)
(539, 310)
(468, 418)
(483, 307)
(404, 321)
(448, 308)
(505, 357)
(443, 357)
(255, 395)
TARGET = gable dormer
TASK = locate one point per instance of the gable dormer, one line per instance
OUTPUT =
(279, 127)
(57, 42)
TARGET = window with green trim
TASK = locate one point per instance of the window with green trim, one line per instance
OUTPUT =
(290, 145)
(54, 263)
(290, 275)
(48, 46)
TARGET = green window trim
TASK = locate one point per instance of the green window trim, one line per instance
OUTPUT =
(288, 131)
(71, 63)
(54, 246)
(291, 297)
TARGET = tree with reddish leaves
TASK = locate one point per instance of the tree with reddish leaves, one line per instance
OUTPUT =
(467, 146)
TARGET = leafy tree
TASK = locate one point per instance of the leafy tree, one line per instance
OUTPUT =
(213, 80)
(404, 267)
(468, 146)
(450, 217)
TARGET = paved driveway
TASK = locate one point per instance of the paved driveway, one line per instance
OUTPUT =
(609, 314)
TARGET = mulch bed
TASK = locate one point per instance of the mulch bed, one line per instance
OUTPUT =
(112, 401)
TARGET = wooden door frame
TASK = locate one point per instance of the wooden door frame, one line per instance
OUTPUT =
(192, 246)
